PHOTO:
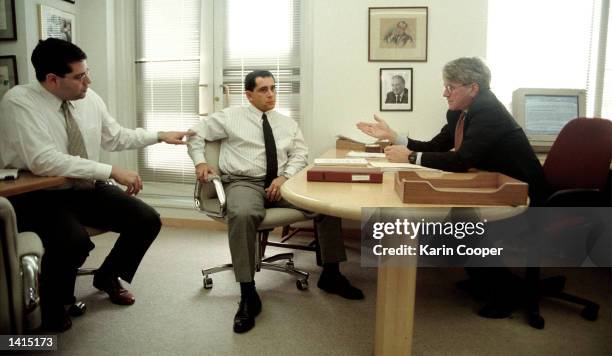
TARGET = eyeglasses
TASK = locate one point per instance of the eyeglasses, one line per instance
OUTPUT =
(449, 88)
(81, 77)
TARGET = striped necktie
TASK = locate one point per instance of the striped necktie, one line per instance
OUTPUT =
(459, 131)
(76, 144)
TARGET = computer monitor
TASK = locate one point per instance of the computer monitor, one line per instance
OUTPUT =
(543, 112)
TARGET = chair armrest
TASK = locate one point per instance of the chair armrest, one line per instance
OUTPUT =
(207, 192)
(576, 198)
(28, 243)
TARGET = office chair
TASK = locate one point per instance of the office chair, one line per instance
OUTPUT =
(577, 168)
(209, 199)
(20, 258)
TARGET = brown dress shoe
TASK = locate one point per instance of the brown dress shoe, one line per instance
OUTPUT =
(112, 286)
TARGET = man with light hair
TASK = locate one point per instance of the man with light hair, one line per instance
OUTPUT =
(480, 133)
(399, 92)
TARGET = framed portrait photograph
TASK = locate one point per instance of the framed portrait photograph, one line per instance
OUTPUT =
(8, 73)
(8, 27)
(56, 24)
(395, 89)
(397, 34)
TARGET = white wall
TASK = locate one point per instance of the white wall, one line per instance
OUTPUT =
(26, 12)
(344, 85)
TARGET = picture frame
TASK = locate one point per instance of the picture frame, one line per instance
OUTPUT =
(8, 73)
(396, 89)
(56, 24)
(397, 34)
(8, 24)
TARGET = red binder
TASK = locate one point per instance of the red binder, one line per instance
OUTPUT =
(344, 174)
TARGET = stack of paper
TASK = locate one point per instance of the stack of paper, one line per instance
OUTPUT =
(394, 166)
(358, 154)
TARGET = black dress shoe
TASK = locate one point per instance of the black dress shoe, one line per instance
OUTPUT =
(248, 309)
(77, 309)
(338, 284)
(56, 320)
(497, 310)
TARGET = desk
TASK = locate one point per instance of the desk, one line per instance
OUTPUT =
(28, 182)
(396, 285)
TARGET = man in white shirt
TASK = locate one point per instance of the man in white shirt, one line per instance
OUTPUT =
(56, 127)
(260, 150)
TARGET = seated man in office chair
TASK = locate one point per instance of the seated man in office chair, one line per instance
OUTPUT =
(56, 127)
(260, 150)
(480, 133)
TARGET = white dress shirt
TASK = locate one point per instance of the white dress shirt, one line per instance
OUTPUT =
(34, 134)
(243, 151)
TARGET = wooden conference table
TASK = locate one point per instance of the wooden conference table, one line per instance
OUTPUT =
(28, 182)
(396, 285)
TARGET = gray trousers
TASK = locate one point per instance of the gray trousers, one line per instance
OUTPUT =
(246, 209)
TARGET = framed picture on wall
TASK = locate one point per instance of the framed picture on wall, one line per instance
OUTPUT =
(397, 34)
(395, 89)
(8, 28)
(56, 24)
(8, 73)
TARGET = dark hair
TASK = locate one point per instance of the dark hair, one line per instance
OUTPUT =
(54, 56)
(249, 80)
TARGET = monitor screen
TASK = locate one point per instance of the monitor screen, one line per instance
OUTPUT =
(542, 112)
(547, 114)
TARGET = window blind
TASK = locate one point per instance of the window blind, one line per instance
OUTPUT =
(542, 44)
(273, 44)
(167, 70)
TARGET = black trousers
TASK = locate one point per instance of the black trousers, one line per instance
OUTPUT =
(58, 217)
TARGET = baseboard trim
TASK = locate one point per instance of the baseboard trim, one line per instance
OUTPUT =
(194, 224)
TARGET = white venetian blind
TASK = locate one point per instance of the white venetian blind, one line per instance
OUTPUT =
(542, 44)
(606, 110)
(167, 69)
(272, 44)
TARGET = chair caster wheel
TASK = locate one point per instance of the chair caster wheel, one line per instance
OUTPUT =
(301, 284)
(208, 283)
(590, 312)
(77, 309)
(536, 321)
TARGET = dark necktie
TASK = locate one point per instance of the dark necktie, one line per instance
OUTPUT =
(271, 160)
(397, 98)
(459, 131)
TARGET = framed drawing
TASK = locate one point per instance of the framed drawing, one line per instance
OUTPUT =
(8, 27)
(56, 23)
(397, 34)
(8, 73)
(395, 89)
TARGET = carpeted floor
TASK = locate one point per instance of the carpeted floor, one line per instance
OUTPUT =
(174, 315)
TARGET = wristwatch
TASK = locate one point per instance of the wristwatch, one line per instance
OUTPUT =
(412, 157)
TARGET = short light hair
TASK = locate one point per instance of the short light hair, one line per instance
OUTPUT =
(400, 78)
(468, 70)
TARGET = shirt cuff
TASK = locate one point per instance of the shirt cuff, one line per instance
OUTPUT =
(418, 158)
(401, 140)
(150, 138)
(102, 171)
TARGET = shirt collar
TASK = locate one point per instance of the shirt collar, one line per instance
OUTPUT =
(51, 99)
(258, 112)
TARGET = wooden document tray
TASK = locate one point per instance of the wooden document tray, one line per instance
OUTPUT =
(478, 188)
(358, 146)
